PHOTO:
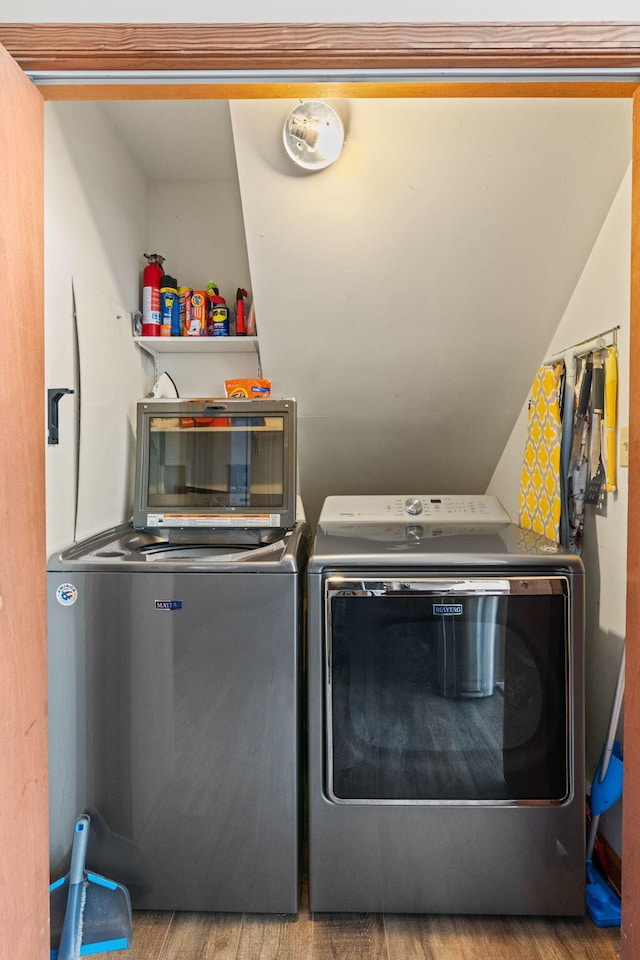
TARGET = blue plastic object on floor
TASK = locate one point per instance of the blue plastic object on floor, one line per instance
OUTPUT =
(603, 904)
(604, 794)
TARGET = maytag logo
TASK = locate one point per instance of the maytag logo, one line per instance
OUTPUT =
(168, 604)
(447, 609)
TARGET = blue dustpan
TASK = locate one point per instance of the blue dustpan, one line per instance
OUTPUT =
(89, 914)
(603, 905)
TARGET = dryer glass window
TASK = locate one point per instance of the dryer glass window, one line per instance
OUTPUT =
(448, 691)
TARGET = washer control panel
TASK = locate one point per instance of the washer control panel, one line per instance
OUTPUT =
(450, 508)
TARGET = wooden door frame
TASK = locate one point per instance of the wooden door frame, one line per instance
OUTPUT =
(264, 48)
(24, 901)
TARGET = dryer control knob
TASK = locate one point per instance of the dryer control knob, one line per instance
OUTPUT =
(413, 506)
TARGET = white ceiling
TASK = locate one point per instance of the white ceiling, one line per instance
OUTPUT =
(186, 140)
(318, 11)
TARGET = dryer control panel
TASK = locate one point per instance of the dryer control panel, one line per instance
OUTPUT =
(428, 508)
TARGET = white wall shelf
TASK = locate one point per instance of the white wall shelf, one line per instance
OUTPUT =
(197, 346)
(154, 345)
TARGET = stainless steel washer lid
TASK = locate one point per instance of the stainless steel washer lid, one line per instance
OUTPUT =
(123, 548)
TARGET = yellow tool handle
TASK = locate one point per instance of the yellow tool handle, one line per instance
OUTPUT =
(610, 401)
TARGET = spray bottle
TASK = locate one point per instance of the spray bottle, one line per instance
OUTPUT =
(151, 295)
(217, 313)
(241, 328)
(169, 307)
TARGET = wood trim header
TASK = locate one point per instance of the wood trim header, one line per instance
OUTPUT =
(243, 46)
(102, 90)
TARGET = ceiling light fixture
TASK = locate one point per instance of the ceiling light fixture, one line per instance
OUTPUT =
(313, 135)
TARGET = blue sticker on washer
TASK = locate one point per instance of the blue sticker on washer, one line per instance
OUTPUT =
(168, 604)
(67, 594)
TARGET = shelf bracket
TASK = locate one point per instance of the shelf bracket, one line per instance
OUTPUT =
(54, 396)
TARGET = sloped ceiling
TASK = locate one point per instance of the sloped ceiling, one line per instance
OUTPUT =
(176, 141)
(405, 295)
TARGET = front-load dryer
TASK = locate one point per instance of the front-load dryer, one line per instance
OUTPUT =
(445, 673)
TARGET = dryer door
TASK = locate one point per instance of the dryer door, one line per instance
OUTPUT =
(448, 690)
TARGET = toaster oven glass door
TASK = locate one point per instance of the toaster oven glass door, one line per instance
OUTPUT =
(216, 462)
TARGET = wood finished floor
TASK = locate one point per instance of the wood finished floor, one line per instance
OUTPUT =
(330, 936)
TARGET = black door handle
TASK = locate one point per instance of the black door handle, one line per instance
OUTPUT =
(54, 395)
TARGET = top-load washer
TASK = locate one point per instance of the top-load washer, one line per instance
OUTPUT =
(445, 671)
(175, 663)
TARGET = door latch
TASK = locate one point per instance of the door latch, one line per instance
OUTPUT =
(54, 396)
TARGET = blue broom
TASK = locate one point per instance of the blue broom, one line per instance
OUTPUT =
(89, 914)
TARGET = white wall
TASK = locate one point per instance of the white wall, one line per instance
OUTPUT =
(318, 11)
(600, 301)
(403, 293)
(103, 211)
(198, 228)
(95, 221)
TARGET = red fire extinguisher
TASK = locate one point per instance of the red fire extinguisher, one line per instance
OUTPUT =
(151, 278)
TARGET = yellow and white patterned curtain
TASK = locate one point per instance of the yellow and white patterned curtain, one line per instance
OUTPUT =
(540, 490)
